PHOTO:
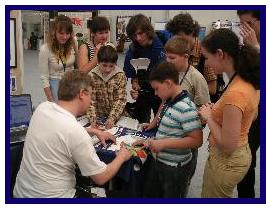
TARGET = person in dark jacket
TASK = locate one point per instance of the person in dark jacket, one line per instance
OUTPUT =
(250, 31)
(145, 44)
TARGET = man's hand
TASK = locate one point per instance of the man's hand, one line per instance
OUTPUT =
(103, 136)
(124, 153)
(249, 35)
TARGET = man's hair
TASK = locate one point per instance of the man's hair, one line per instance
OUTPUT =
(71, 84)
(163, 71)
(254, 13)
(140, 22)
(99, 23)
(178, 45)
(184, 23)
(107, 54)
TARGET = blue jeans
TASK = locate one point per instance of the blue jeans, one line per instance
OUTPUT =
(54, 85)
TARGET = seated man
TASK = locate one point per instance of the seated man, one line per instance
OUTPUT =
(56, 142)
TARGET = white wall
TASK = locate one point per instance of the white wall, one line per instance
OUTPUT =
(204, 17)
(156, 16)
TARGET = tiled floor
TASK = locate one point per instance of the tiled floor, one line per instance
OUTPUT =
(33, 86)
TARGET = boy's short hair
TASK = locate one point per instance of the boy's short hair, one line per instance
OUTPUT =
(163, 71)
(71, 84)
(254, 13)
(178, 45)
(99, 23)
(140, 22)
(107, 54)
(184, 23)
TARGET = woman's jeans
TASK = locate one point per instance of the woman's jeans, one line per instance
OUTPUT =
(54, 85)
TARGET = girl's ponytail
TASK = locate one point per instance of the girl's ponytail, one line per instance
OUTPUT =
(248, 65)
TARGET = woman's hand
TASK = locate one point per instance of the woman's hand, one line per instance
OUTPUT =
(206, 111)
(98, 46)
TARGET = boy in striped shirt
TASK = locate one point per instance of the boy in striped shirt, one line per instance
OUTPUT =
(178, 130)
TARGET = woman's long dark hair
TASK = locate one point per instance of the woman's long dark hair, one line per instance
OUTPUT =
(246, 59)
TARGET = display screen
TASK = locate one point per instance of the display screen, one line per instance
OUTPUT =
(20, 110)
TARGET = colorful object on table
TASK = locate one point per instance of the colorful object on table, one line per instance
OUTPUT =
(136, 151)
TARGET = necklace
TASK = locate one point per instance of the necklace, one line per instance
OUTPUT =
(184, 75)
(63, 59)
(233, 76)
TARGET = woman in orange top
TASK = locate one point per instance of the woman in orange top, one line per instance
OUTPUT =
(230, 118)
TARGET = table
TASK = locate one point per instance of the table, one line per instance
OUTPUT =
(127, 180)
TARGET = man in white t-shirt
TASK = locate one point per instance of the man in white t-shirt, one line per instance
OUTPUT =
(56, 142)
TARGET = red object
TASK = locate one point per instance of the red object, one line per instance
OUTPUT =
(76, 21)
(141, 153)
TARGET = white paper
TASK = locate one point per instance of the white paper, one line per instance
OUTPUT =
(128, 123)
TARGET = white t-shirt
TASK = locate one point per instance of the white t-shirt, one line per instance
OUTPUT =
(54, 143)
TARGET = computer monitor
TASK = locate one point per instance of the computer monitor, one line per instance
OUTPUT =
(20, 110)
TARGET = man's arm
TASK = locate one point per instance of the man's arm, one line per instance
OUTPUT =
(112, 168)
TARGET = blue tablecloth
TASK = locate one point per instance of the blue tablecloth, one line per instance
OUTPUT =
(131, 180)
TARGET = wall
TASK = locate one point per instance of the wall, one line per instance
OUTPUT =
(204, 17)
(156, 16)
(18, 72)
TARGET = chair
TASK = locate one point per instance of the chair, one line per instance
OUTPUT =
(16, 152)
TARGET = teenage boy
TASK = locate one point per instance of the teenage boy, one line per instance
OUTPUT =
(190, 79)
(184, 26)
(178, 51)
(179, 130)
(109, 89)
(145, 44)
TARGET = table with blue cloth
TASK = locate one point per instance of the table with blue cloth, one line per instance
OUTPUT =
(127, 182)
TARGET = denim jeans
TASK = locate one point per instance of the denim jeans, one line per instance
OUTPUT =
(54, 85)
